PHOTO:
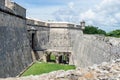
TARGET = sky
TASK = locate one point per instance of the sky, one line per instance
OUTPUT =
(104, 14)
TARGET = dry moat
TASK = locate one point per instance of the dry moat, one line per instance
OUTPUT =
(24, 41)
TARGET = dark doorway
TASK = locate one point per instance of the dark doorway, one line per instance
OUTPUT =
(32, 41)
(61, 59)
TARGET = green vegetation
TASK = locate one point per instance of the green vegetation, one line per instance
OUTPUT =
(93, 30)
(114, 33)
(52, 57)
(96, 30)
(40, 68)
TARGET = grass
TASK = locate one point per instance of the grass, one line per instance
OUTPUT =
(52, 57)
(40, 68)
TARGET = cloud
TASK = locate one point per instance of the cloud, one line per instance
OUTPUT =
(41, 13)
(105, 15)
(101, 13)
(67, 13)
(71, 4)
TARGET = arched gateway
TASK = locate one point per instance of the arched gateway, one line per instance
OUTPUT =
(59, 57)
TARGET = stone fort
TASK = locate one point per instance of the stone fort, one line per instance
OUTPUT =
(23, 41)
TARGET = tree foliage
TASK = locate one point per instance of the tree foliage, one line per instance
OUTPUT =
(93, 30)
(114, 33)
(96, 30)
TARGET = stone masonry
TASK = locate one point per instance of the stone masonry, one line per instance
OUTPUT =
(53, 37)
(15, 51)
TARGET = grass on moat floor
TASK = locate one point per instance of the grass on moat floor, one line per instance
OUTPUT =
(40, 68)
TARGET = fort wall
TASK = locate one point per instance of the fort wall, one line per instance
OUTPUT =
(95, 49)
(55, 37)
(41, 36)
(15, 51)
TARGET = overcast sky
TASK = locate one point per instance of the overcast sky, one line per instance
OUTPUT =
(104, 14)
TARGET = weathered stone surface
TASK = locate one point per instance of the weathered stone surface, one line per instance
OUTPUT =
(59, 40)
(15, 51)
(94, 49)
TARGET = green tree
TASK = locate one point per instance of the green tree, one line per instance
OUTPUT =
(100, 31)
(93, 30)
(114, 33)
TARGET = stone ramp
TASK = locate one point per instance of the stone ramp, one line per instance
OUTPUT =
(104, 71)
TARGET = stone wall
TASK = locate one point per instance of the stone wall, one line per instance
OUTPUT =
(41, 36)
(94, 49)
(61, 36)
(53, 37)
(59, 40)
(15, 51)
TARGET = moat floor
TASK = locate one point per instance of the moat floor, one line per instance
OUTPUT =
(40, 68)
(104, 71)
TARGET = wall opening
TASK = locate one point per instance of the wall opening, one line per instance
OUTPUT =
(32, 41)
(58, 57)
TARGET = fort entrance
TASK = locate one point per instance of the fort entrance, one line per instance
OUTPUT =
(57, 57)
